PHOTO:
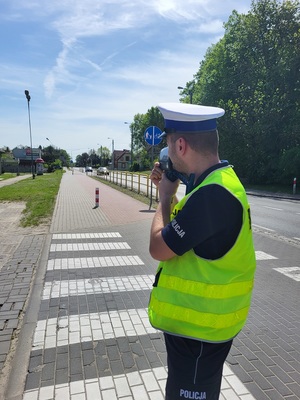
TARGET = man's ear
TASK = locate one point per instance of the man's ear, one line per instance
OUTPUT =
(181, 145)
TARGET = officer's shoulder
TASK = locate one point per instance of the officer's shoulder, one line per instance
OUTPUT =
(214, 193)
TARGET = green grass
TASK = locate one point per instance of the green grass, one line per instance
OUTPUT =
(39, 194)
(8, 175)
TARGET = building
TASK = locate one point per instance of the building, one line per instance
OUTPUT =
(121, 159)
(20, 160)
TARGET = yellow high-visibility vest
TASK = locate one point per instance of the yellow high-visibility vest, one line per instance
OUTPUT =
(207, 299)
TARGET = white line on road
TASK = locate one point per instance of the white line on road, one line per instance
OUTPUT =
(261, 255)
(82, 287)
(137, 385)
(291, 272)
(60, 236)
(89, 246)
(93, 262)
(72, 329)
(273, 208)
(147, 384)
(262, 227)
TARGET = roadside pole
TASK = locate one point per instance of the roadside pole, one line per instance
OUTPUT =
(152, 137)
(294, 185)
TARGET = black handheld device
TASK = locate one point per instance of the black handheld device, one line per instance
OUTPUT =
(166, 165)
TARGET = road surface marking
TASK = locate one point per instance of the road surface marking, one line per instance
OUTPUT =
(137, 385)
(72, 329)
(82, 287)
(93, 262)
(60, 236)
(262, 227)
(273, 208)
(291, 272)
(261, 255)
(89, 246)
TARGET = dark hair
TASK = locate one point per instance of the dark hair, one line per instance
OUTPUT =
(206, 142)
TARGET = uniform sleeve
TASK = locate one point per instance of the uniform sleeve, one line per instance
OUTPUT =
(209, 223)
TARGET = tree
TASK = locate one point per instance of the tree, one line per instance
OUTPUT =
(253, 73)
(142, 150)
(51, 155)
(82, 160)
(4, 153)
(290, 164)
(104, 155)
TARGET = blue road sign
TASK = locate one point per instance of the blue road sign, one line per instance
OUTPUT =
(152, 134)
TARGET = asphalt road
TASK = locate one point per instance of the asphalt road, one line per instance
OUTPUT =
(279, 217)
(276, 215)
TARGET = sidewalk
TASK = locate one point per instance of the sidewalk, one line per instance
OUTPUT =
(85, 333)
(6, 182)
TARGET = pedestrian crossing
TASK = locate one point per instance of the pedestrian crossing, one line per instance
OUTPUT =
(73, 329)
(93, 262)
(89, 246)
(95, 331)
(261, 255)
(101, 235)
(291, 272)
(82, 287)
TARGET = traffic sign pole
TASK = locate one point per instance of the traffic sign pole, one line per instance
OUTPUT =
(152, 137)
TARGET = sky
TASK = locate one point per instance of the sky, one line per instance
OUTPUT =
(91, 65)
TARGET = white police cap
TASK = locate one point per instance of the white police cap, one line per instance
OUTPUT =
(184, 117)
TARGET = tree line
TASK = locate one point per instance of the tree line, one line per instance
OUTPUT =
(53, 157)
(253, 72)
(94, 158)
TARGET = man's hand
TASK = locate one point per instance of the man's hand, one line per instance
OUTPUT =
(167, 198)
(165, 186)
(156, 174)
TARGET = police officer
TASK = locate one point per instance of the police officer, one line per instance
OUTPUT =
(202, 290)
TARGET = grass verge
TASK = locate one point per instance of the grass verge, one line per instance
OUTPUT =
(8, 175)
(39, 194)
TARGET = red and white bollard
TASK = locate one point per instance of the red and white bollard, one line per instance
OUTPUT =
(294, 185)
(97, 198)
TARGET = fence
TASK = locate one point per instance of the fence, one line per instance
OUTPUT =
(140, 183)
(14, 167)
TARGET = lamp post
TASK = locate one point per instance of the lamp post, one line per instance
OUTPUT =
(131, 143)
(98, 144)
(190, 92)
(112, 152)
(52, 152)
(28, 100)
(50, 142)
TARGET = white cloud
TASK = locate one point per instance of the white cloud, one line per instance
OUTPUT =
(91, 65)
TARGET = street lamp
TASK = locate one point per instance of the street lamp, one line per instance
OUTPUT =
(131, 142)
(50, 142)
(98, 144)
(28, 100)
(190, 92)
(112, 152)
